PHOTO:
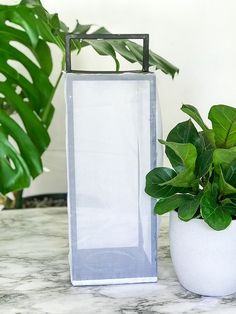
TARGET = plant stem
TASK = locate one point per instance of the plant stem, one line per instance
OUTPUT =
(47, 108)
(19, 199)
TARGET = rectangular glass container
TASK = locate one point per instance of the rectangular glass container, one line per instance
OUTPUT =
(111, 146)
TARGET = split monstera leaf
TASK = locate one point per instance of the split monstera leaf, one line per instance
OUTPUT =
(26, 91)
(202, 182)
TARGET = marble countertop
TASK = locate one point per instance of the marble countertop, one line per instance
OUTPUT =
(34, 275)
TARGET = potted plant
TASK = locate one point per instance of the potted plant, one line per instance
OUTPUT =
(200, 193)
(27, 31)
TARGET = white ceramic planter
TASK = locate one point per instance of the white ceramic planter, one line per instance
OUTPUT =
(204, 259)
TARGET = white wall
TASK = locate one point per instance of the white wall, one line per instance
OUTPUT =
(196, 35)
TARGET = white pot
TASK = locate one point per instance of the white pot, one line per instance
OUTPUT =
(204, 259)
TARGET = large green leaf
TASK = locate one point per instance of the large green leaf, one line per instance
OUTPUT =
(205, 143)
(186, 204)
(195, 115)
(22, 144)
(230, 207)
(188, 155)
(154, 59)
(205, 156)
(104, 48)
(45, 63)
(154, 180)
(225, 187)
(230, 176)
(184, 132)
(168, 204)
(122, 48)
(223, 158)
(81, 29)
(215, 215)
(223, 120)
(24, 17)
(129, 50)
(189, 206)
(26, 147)
(9, 162)
(203, 163)
(31, 122)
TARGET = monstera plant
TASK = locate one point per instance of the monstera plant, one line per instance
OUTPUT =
(26, 91)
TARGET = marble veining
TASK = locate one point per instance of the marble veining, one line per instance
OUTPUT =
(34, 275)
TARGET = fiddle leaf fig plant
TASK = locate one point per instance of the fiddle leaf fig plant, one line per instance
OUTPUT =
(202, 183)
(27, 32)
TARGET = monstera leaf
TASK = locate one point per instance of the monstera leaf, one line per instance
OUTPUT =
(26, 92)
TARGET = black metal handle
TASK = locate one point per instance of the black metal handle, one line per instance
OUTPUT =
(144, 37)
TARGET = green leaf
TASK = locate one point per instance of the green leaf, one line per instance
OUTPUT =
(31, 122)
(223, 158)
(121, 48)
(41, 50)
(186, 204)
(30, 3)
(203, 163)
(81, 29)
(205, 156)
(22, 143)
(225, 187)
(230, 203)
(154, 180)
(184, 132)
(131, 51)
(104, 48)
(23, 16)
(56, 24)
(162, 64)
(154, 59)
(11, 180)
(189, 206)
(223, 120)
(188, 155)
(193, 113)
(27, 149)
(230, 176)
(16, 78)
(215, 215)
(168, 204)
(45, 31)
(38, 77)
(230, 209)
(205, 143)
(187, 152)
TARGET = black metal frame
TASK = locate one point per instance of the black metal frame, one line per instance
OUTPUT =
(144, 37)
